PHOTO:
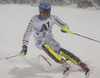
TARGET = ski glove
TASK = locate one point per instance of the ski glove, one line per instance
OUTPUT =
(66, 30)
(23, 51)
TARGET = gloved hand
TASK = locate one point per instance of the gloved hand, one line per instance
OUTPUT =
(23, 51)
(66, 30)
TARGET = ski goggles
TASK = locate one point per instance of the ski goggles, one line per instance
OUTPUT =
(45, 12)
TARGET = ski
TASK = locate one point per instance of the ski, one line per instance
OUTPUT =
(88, 74)
(66, 74)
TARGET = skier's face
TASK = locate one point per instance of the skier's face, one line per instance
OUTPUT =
(45, 14)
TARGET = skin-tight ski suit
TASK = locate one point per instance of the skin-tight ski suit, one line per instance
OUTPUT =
(44, 40)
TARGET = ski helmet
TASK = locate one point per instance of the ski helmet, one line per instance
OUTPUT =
(44, 6)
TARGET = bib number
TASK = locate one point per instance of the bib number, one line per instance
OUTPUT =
(45, 26)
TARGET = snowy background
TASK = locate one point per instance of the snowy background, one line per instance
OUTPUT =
(13, 23)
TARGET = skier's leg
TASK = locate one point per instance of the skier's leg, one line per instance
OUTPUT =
(67, 54)
(56, 57)
(52, 53)
(74, 59)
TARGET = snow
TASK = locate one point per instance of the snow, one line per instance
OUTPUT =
(13, 22)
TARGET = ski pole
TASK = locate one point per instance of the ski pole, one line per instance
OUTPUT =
(86, 37)
(66, 29)
(10, 57)
(45, 59)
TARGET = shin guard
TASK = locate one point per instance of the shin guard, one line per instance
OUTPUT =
(52, 53)
(69, 56)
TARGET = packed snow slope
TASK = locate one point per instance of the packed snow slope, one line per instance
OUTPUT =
(13, 23)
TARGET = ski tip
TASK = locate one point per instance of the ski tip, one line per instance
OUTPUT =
(87, 75)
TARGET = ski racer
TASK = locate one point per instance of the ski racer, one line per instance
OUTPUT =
(41, 27)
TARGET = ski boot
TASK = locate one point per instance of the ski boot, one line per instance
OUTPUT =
(85, 68)
(66, 66)
(66, 71)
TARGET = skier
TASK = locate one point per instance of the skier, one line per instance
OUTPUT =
(41, 27)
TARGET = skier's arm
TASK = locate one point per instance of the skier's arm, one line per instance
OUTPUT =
(59, 22)
(27, 34)
(26, 39)
(64, 26)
